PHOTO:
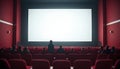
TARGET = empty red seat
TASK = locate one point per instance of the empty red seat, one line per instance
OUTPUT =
(114, 57)
(49, 57)
(61, 64)
(40, 64)
(37, 56)
(60, 56)
(103, 64)
(27, 58)
(18, 64)
(4, 64)
(82, 64)
(102, 56)
(117, 64)
(14, 56)
(72, 57)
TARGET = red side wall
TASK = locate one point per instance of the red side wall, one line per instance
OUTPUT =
(100, 22)
(6, 14)
(113, 14)
(109, 11)
(18, 21)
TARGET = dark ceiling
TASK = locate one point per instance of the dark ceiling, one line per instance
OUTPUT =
(59, 1)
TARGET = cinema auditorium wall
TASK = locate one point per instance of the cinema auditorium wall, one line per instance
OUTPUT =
(108, 22)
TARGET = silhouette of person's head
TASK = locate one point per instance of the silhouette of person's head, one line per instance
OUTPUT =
(50, 41)
(44, 49)
(60, 46)
(19, 47)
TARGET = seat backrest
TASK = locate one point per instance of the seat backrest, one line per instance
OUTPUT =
(27, 58)
(37, 56)
(61, 64)
(60, 56)
(4, 64)
(114, 57)
(40, 64)
(102, 56)
(103, 64)
(82, 64)
(14, 56)
(49, 57)
(117, 64)
(18, 64)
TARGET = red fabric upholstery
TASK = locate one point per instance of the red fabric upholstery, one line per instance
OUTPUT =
(103, 64)
(72, 58)
(60, 56)
(61, 64)
(82, 64)
(18, 64)
(27, 58)
(102, 56)
(4, 64)
(37, 56)
(117, 64)
(14, 56)
(49, 57)
(40, 64)
(114, 57)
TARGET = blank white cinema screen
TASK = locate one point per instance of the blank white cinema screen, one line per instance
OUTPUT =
(60, 25)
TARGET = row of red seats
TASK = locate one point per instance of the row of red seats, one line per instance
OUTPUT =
(58, 64)
(51, 57)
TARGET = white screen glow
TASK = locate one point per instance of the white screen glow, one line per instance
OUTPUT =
(60, 25)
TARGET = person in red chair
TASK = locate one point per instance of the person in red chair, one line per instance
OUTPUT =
(26, 51)
(60, 50)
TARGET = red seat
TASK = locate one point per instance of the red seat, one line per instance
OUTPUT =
(102, 56)
(114, 57)
(61, 64)
(103, 64)
(117, 64)
(4, 64)
(49, 57)
(14, 56)
(60, 56)
(72, 57)
(37, 56)
(40, 64)
(82, 64)
(27, 58)
(18, 64)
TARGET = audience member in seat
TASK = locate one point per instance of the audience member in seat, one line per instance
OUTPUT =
(60, 50)
(72, 51)
(1, 50)
(26, 51)
(19, 50)
(107, 50)
(43, 51)
(101, 50)
(51, 47)
(112, 51)
(13, 49)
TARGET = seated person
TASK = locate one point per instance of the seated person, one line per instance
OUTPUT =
(101, 50)
(19, 50)
(112, 51)
(60, 50)
(13, 49)
(107, 50)
(26, 51)
(72, 51)
(1, 50)
(43, 51)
